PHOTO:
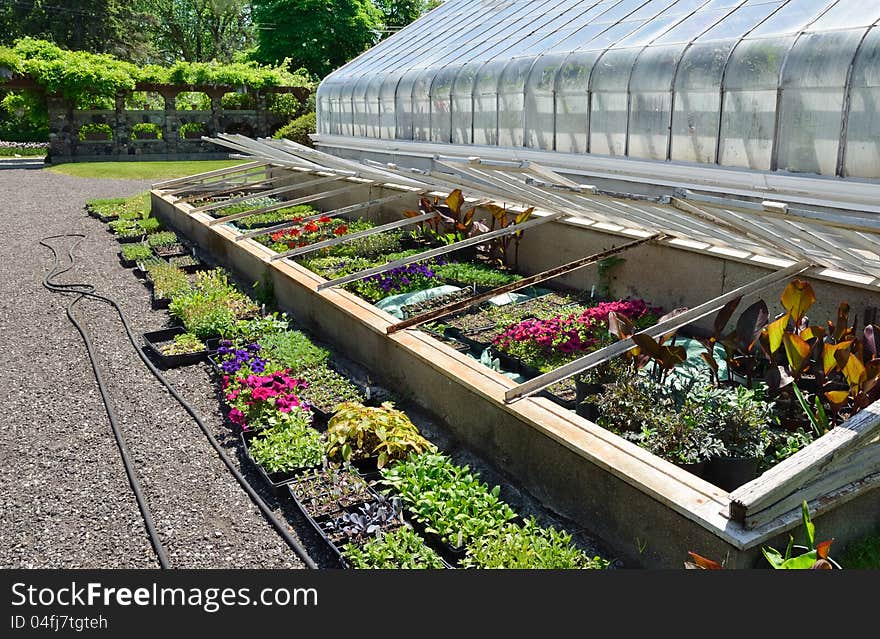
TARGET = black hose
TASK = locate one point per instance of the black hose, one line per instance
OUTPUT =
(87, 290)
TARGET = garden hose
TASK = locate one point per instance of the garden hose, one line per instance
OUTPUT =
(87, 290)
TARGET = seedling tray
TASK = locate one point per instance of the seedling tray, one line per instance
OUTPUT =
(154, 339)
(129, 239)
(170, 251)
(276, 481)
(126, 263)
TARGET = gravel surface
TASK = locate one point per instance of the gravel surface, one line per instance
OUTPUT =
(68, 503)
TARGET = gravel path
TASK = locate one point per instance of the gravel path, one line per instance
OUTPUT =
(67, 502)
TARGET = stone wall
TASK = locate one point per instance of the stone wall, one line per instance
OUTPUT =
(65, 123)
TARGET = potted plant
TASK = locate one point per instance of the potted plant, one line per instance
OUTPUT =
(744, 419)
(401, 548)
(146, 131)
(360, 523)
(529, 547)
(95, 131)
(450, 502)
(326, 389)
(192, 130)
(131, 254)
(367, 435)
(166, 244)
(174, 347)
(329, 490)
(285, 451)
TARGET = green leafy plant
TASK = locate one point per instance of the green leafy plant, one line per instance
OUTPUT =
(448, 499)
(95, 127)
(327, 389)
(146, 131)
(400, 548)
(451, 223)
(163, 239)
(298, 129)
(191, 127)
(212, 306)
(480, 274)
(136, 252)
(286, 449)
(168, 280)
(529, 547)
(294, 350)
(183, 344)
(358, 432)
(816, 557)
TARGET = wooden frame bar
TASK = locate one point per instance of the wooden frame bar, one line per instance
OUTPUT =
(519, 284)
(619, 348)
(270, 192)
(841, 456)
(332, 213)
(198, 177)
(473, 241)
(223, 182)
(305, 199)
(301, 250)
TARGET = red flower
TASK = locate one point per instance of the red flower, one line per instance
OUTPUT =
(340, 230)
(324, 219)
(311, 227)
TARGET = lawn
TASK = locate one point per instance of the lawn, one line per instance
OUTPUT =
(140, 170)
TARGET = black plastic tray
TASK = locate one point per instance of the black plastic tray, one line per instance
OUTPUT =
(154, 338)
(276, 481)
(126, 263)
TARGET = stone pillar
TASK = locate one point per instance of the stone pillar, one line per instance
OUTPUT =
(62, 136)
(215, 125)
(121, 127)
(170, 123)
(261, 128)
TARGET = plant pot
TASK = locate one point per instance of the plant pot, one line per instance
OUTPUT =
(729, 473)
(585, 389)
(96, 136)
(154, 339)
(151, 135)
(695, 468)
(192, 135)
(368, 468)
(587, 410)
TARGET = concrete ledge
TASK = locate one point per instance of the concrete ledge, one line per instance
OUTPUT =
(646, 510)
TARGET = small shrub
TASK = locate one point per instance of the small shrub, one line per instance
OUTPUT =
(191, 127)
(146, 131)
(298, 129)
(95, 127)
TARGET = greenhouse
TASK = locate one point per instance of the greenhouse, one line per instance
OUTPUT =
(770, 86)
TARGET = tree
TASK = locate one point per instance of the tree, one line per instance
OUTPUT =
(97, 26)
(198, 30)
(319, 35)
(399, 13)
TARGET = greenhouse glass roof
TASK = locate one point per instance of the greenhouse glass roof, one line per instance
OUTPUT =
(784, 85)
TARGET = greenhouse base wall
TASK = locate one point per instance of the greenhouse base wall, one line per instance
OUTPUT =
(646, 511)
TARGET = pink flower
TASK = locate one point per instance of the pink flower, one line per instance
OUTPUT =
(237, 417)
